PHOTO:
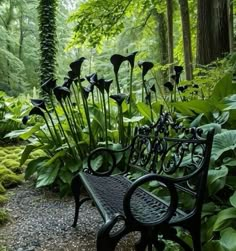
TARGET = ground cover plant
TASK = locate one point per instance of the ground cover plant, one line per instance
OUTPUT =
(80, 116)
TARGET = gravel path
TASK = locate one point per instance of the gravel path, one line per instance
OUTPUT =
(42, 221)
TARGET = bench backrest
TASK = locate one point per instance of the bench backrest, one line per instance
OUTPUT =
(185, 159)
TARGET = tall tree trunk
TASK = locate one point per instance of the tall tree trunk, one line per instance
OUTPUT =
(204, 32)
(169, 4)
(162, 39)
(212, 30)
(186, 38)
(21, 38)
(231, 25)
(7, 26)
(220, 28)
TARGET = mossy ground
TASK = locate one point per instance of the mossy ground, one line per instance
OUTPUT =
(11, 173)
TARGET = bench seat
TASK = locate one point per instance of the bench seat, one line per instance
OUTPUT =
(108, 194)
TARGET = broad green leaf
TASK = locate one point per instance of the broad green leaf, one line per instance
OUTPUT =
(56, 156)
(228, 237)
(27, 151)
(34, 165)
(208, 209)
(230, 102)
(65, 175)
(223, 143)
(194, 107)
(225, 218)
(97, 162)
(48, 175)
(24, 133)
(232, 199)
(213, 245)
(144, 110)
(134, 119)
(210, 126)
(224, 88)
(72, 165)
(216, 179)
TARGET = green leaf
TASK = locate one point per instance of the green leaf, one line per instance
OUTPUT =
(228, 237)
(97, 162)
(213, 245)
(48, 175)
(230, 102)
(34, 165)
(65, 175)
(144, 110)
(27, 151)
(24, 133)
(223, 143)
(216, 179)
(194, 107)
(134, 119)
(232, 199)
(225, 218)
(224, 88)
(56, 156)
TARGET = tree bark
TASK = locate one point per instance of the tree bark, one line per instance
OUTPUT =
(169, 4)
(231, 25)
(220, 29)
(162, 39)
(212, 30)
(186, 38)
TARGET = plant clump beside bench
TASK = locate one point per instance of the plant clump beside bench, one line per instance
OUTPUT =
(169, 192)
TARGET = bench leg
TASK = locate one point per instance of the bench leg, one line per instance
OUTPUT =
(107, 241)
(149, 240)
(196, 237)
(76, 187)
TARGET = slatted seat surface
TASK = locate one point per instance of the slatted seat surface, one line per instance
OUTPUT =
(108, 194)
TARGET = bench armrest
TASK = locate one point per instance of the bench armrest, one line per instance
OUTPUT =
(105, 158)
(147, 218)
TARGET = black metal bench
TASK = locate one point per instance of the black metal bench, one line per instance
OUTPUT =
(168, 194)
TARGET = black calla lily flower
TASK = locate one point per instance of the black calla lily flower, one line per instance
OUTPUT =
(169, 86)
(178, 69)
(61, 92)
(39, 103)
(76, 66)
(117, 60)
(153, 88)
(101, 85)
(86, 91)
(92, 78)
(182, 88)
(119, 98)
(67, 82)
(131, 58)
(49, 85)
(25, 119)
(37, 111)
(173, 77)
(71, 75)
(146, 66)
(107, 84)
